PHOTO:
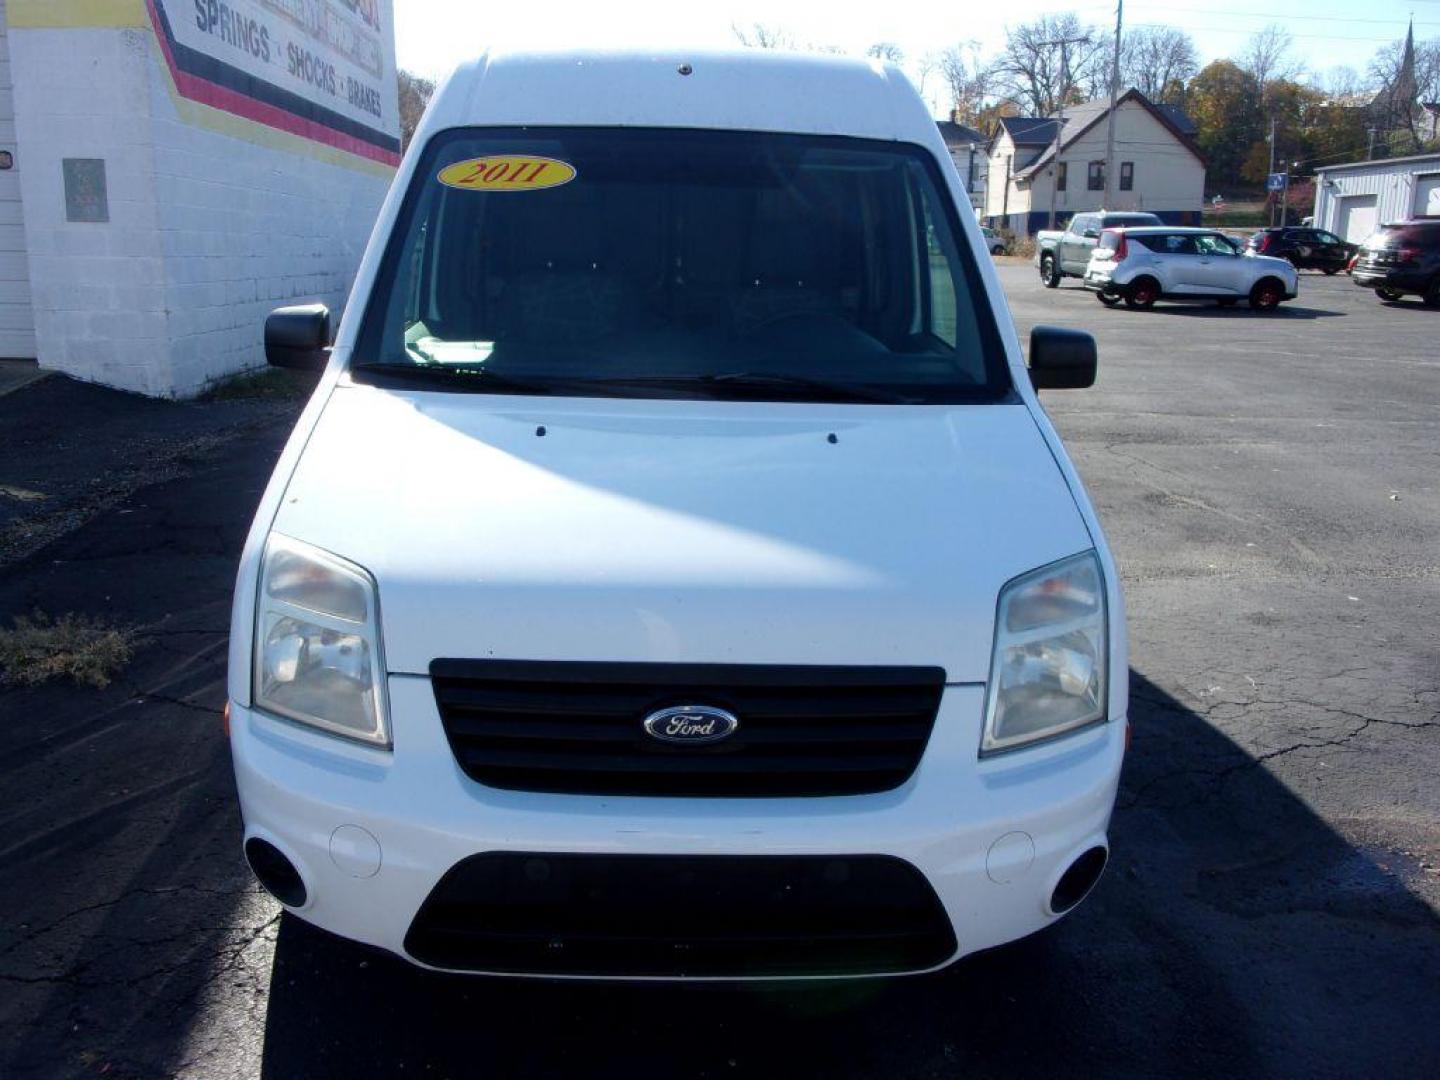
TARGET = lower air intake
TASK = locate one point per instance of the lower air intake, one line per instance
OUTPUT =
(699, 916)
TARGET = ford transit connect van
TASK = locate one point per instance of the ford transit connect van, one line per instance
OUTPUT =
(674, 574)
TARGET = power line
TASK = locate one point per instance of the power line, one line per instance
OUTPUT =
(1251, 33)
(1272, 17)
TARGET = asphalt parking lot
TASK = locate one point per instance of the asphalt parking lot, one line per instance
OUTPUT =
(1271, 484)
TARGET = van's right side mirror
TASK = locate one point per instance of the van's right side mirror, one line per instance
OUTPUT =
(1062, 359)
(298, 337)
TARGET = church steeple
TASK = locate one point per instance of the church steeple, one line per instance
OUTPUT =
(1405, 85)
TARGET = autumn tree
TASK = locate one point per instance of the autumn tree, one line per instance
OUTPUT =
(415, 94)
(1293, 107)
(1224, 101)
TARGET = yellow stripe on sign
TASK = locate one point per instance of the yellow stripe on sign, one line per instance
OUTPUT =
(507, 172)
(75, 14)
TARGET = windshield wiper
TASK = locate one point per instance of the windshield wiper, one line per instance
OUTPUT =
(477, 379)
(761, 381)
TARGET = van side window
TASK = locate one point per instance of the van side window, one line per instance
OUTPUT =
(942, 303)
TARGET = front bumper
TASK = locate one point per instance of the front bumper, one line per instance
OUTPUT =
(372, 832)
(1405, 281)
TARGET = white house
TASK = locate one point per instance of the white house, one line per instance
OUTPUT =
(1160, 167)
(967, 151)
(1353, 200)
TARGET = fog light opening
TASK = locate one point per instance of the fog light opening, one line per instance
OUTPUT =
(275, 872)
(1075, 884)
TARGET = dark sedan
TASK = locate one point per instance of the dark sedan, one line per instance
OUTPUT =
(1306, 249)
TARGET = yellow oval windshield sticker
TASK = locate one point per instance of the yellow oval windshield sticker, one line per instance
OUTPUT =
(507, 172)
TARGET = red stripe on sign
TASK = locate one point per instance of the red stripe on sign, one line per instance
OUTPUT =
(219, 97)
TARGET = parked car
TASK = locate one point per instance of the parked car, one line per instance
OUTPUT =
(1402, 258)
(1304, 249)
(1141, 266)
(1062, 254)
(993, 240)
(692, 589)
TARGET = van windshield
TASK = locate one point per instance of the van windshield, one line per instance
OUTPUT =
(678, 263)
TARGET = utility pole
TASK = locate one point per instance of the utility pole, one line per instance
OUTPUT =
(1270, 170)
(970, 177)
(1110, 125)
(1285, 198)
(1064, 44)
(1370, 151)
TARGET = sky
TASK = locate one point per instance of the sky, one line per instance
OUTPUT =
(431, 36)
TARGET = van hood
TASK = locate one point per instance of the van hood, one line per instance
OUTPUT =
(681, 531)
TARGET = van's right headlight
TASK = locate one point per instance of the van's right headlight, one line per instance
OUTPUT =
(317, 642)
(1050, 669)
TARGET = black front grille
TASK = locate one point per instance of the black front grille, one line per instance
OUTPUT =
(704, 915)
(578, 728)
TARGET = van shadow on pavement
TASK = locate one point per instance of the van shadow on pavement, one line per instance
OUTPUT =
(1234, 932)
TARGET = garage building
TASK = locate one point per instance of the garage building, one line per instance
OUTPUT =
(1354, 200)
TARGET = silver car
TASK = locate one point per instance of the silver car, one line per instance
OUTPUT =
(993, 240)
(1144, 264)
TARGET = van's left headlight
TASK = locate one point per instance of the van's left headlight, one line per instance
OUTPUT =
(317, 642)
(1050, 671)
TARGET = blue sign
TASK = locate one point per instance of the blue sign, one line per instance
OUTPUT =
(1277, 181)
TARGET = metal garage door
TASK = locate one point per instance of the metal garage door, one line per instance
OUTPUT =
(1427, 194)
(1357, 217)
(17, 322)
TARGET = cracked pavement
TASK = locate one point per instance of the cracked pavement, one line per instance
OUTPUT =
(1272, 488)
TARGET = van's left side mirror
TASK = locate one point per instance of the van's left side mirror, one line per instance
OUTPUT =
(1062, 359)
(298, 337)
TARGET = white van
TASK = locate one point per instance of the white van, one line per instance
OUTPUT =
(674, 574)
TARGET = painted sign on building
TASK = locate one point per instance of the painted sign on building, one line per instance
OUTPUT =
(323, 69)
(184, 167)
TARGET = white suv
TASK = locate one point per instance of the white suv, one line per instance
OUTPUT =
(1144, 264)
(674, 573)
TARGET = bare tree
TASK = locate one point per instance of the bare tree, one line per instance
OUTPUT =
(968, 77)
(415, 94)
(1157, 59)
(886, 50)
(1342, 85)
(760, 36)
(1385, 68)
(1049, 61)
(1267, 57)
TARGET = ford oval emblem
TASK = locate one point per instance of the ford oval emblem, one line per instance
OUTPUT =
(691, 724)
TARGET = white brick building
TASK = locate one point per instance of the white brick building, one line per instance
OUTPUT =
(184, 168)
(1159, 167)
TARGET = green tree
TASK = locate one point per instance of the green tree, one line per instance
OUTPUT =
(1225, 103)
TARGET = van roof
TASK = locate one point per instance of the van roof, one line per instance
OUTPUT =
(746, 90)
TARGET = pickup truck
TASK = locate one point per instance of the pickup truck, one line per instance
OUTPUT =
(1065, 254)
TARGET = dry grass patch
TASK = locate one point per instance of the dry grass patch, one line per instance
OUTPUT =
(81, 648)
(263, 384)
